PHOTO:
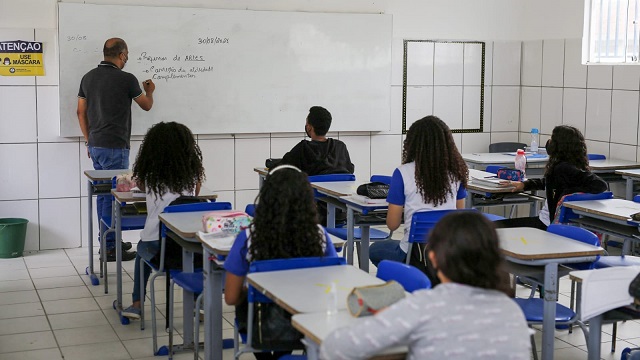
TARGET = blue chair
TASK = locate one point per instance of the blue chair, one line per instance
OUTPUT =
(566, 214)
(506, 147)
(254, 296)
(160, 270)
(421, 223)
(107, 226)
(596, 157)
(194, 283)
(408, 276)
(250, 209)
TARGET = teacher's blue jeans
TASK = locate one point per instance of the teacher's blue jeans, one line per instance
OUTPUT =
(108, 159)
(146, 250)
(386, 250)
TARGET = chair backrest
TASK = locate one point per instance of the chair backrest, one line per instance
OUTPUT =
(574, 232)
(423, 221)
(200, 206)
(385, 179)
(636, 198)
(565, 214)
(408, 276)
(328, 178)
(506, 147)
(250, 209)
(596, 157)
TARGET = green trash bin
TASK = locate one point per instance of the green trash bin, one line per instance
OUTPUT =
(12, 234)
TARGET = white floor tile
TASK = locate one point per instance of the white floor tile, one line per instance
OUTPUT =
(14, 274)
(85, 335)
(58, 282)
(18, 297)
(102, 351)
(74, 292)
(50, 272)
(16, 285)
(48, 354)
(27, 341)
(21, 310)
(24, 325)
(78, 319)
(70, 305)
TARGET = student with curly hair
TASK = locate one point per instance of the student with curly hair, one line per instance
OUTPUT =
(285, 226)
(433, 176)
(168, 165)
(467, 316)
(567, 172)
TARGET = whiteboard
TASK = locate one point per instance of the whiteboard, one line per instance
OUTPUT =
(235, 71)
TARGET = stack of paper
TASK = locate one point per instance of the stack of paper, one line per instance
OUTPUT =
(216, 241)
(488, 182)
(367, 200)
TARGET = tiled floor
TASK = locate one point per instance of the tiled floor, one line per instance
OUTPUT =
(49, 310)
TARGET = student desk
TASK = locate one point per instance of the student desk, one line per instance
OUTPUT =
(630, 176)
(535, 165)
(534, 247)
(98, 183)
(609, 216)
(515, 199)
(318, 325)
(602, 290)
(262, 174)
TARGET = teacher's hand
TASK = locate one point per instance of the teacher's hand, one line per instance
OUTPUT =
(148, 86)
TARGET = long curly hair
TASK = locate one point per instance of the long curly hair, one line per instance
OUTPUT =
(467, 251)
(169, 160)
(567, 145)
(438, 162)
(286, 220)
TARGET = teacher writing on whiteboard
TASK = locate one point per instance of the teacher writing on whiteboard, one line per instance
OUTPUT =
(104, 114)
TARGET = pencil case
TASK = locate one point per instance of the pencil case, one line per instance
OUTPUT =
(368, 300)
(510, 174)
(225, 223)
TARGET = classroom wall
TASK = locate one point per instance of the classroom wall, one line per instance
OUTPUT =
(41, 172)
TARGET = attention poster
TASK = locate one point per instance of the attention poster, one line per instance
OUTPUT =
(21, 58)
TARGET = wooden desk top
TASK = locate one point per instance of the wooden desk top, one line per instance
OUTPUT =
(306, 290)
(336, 188)
(97, 175)
(317, 326)
(615, 209)
(535, 244)
(262, 171)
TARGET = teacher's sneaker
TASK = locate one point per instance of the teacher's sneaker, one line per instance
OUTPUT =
(131, 313)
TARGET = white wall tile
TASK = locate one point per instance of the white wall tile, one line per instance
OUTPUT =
(532, 63)
(488, 63)
(218, 161)
(55, 162)
(447, 105)
(506, 62)
(84, 221)
(397, 61)
(18, 114)
(229, 196)
(420, 63)
(598, 115)
(49, 39)
(505, 112)
(475, 142)
(472, 64)
(87, 164)
(507, 136)
(419, 103)
(623, 152)
(471, 107)
(17, 34)
(19, 175)
(530, 107)
(249, 153)
(386, 153)
(575, 74)
(396, 111)
(574, 108)
(58, 228)
(48, 114)
(551, 109)
(624, 117)
(243, 198)
(598, 147)
(360, 153)
(486, 119)
(457, 139)
(282, 145)
(25, 209)
(553, 62)
(626, 77)
(599, 77)
(448, 64)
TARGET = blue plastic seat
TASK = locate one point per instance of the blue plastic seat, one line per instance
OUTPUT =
(596, 157)
(254, 296)
(250, 209)
(421, 223)
(566, 214)
(408, 276)
(194, 283)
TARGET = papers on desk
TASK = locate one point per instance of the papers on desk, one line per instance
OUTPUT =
(137, 193)
(492, 182)
(366, 200)
(217, 241)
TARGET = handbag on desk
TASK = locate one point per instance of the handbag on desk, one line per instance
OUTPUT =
(374, 190)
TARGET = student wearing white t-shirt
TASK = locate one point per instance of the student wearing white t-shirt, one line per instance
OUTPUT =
(169, 164)
(433, 176)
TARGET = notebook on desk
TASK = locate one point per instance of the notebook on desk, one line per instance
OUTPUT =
(492, 182)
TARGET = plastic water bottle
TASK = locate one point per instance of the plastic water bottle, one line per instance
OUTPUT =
(521, 161)
(332, 299)
(534, 140)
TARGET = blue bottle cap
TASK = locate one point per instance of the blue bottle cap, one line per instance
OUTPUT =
(534, 130)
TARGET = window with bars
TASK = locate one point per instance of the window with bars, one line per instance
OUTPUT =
(611, 32)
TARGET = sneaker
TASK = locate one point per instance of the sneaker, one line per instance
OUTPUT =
(131, 313)
(126, 246)
(126, 255)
